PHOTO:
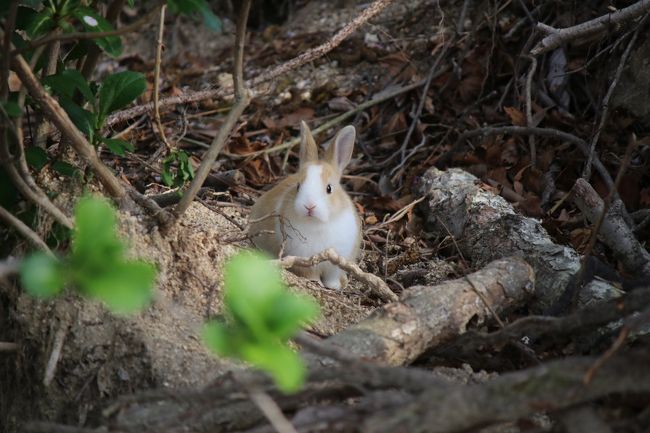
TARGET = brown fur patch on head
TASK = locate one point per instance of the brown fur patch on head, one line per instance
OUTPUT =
(331, 175)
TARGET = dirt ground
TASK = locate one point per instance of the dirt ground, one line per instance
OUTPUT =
(103, 356)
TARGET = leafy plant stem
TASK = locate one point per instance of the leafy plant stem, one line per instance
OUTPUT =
(62, 121)
(94, 52)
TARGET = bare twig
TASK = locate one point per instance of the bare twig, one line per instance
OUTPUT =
(420, 107)
(586, 174)
(377, 286)
(271, 411)
(60, 118)
(24, 230)
(557, 37)
(296, 62)
(6, 346)
(618, 343)
(242, 98)
(156, 78)
(601, 217)
(340, 118)
(485, 301)
(55, 355)
(529, 111)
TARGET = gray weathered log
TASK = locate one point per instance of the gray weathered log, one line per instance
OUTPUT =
(486, 227)
(549, 387)
(614, 232)
(426, 316)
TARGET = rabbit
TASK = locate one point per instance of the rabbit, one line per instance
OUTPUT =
(309, 211)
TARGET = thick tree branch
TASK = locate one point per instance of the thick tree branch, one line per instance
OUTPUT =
(426, 316)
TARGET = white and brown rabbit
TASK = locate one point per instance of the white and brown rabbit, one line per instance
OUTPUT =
(310, 212)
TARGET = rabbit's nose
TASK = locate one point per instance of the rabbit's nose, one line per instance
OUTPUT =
(310, 209)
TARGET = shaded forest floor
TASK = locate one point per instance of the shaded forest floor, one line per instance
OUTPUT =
(429, 86)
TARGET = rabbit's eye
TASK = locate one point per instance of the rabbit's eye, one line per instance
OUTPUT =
(298, 187)
(329, 188)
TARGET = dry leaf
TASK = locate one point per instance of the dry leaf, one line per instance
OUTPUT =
(516, 116)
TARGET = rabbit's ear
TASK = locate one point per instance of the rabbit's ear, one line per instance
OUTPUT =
(340, 150)
(308, 149)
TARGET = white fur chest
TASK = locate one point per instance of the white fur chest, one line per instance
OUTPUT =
(307, 236)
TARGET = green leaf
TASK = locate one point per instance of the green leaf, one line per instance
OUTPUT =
(42, 275)
(117, 146)
(67, 8)
(8, 192)
(65, 168)
(67, 82)
(189, 7)
(83, 119)
(93, 22)
(217, 338)
(119, 90)
(285, 366)
(31, 3)
(11, 108)
(36, 157)
(40, 23)
(95, 239)
(181, 174)
(289, 313)
(251, 283)
(125, 287)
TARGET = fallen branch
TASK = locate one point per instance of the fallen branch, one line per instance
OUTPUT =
(578, 281)
(557, 37)
(426, 316)
(615, 233)
(549, 388)
(242, 98)
(540, 328)
(306, 57)
(377, 286)
(486, 227)
(24, 230)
